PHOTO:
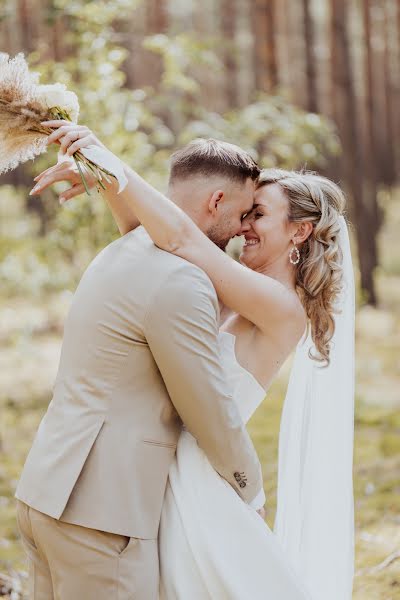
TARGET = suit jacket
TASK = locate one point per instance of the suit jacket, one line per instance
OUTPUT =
(140, 355)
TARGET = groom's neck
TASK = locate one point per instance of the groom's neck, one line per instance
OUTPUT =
(185, 200)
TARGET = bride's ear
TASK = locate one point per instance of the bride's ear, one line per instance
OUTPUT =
(214, 200)
(303, 231)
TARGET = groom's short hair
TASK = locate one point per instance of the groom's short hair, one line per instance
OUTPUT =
(213, 157)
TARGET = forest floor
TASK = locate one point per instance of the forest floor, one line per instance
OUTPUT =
(30, 338)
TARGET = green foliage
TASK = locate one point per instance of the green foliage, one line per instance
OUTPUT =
(142, 127)
(180, 54)
(275, 132)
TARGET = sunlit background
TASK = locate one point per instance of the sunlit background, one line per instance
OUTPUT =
(299, 83)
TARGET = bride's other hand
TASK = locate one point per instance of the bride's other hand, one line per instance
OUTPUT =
(71, 137)
(63, 171)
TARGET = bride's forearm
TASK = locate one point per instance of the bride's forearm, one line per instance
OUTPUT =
(140, 203)
(121, 206)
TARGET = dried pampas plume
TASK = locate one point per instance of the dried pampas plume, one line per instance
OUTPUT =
(22, 137)
(24, 104)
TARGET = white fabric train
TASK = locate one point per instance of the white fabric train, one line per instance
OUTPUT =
(315, 514)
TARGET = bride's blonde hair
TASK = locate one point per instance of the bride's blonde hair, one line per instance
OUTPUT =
(318, 200)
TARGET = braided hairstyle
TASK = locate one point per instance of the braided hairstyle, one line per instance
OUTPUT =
(318, 200)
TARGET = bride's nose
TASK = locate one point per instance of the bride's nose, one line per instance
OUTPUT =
(246, 225)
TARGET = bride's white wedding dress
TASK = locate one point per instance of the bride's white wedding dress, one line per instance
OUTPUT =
(212, 544)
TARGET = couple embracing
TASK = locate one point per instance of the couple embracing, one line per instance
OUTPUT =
(142, 481)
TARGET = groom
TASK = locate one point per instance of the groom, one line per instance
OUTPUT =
(140, 356)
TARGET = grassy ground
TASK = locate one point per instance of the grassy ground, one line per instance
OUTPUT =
(30, 337)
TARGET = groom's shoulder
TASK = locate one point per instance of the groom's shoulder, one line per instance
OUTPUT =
(166, 261)
(179, 274)
(137, 252)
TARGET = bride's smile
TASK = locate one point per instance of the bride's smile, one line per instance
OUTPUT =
(268, 233)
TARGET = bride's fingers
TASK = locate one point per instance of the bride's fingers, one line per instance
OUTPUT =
(55, 167)
(58, 166)
(57, 123)
(58, 133)
(75, 190)
(80, 143)
(63, 175)
(56, 136)
(64, 130)
(70, 137)
(38, 177)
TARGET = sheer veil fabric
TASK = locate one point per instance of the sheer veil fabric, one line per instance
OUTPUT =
(315, 515)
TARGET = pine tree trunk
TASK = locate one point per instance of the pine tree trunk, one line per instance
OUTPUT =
(284, 43)
(389, 168)
(345, 110)
(370, 136)
(397, 84)
(312, 96)
(23, 11)
(265, 56)
(156, 22)
(228, 27)
(135, 65)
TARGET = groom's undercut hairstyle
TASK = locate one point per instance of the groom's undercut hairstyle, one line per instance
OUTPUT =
(211, 158)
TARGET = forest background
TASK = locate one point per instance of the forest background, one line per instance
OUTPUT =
(299, 83)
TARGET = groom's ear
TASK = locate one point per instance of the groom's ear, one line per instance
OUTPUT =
(214, 201)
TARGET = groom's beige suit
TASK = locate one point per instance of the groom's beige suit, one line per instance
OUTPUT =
(140, 355)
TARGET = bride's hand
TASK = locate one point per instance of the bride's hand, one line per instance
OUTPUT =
(71, 137)
(63, 171)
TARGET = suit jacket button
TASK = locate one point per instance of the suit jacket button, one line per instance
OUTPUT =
(242, 484)
(237, 476)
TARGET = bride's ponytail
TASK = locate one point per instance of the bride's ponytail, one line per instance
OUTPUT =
(318, 200)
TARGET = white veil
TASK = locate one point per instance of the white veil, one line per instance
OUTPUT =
(315, 514)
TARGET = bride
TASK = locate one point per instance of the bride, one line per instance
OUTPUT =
(292, 290)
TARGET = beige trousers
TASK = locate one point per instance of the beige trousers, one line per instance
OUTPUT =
(69, 562)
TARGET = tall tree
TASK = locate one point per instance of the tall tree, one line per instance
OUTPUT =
(265, 54)
(23, 12)
(157, 16)
(156, 19)
(209, 23)
(382, 92)
(284, 42)
(345, 110)
(56, 32)
(312, 97)
(370, 122)
(293, 46)
(388, 165)
(228, 27)
(134, 31)
(397, 84)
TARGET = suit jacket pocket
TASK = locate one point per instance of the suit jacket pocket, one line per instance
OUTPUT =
(151, 473)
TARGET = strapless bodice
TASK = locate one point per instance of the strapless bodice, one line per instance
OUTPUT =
(247, 392)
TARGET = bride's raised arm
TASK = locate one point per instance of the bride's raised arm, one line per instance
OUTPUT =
(259, 298)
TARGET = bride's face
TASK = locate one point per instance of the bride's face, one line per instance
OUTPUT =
(266, 229)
